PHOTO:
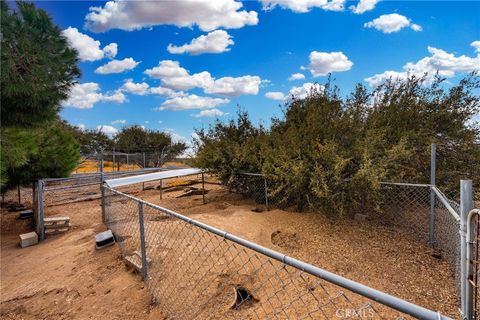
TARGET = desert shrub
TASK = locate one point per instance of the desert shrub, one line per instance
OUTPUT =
(330, 154)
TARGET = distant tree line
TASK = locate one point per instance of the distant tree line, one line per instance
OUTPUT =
(329, 153)
(130, 139)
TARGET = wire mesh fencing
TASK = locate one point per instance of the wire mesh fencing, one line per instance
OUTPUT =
(198, 272)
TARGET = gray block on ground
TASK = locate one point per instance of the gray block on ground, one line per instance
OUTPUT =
(104, 239)
(28, 239)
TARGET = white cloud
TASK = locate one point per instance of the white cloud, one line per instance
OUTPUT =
(364, 6)
(140, 89)
(192, 102)
(476, 45)
(111, 50)
(447, 65)
(87, 47)
(108, 130)
(208, 15)
(85, 95)
(119, 122)
(175, 77)
(303, 6)
(81, 126)
(231, 86)
(162, 91)
(209, 113)
(304, 90)
(296, 76)
(214, 42)
(275, 95)
(117, 66)
(322, 63)
(393, 22)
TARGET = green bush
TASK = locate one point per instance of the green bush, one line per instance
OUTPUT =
(330, 154)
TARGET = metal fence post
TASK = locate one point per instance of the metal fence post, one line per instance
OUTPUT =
(142, 241)
(113, 160)
(144, 165)
(432, 194)
(466, 204)
(161, 188)
(203, 188)
(266, 192)
(41, 212)
(102, 190)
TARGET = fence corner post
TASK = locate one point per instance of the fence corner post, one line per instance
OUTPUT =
(433, 150)
(142, 241)
(466, 204)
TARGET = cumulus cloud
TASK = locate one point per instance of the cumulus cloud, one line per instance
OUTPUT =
(214, 42)
(85, 95)
(175, 77)
(447, 65)
(394, 22)
(296, 76)
(111, 50)
(234, 86)
(119, 122)
(88, 48)
(322, 63)
(117, 66)
(275, 95)
(304, 90)
(133, 15)
(210, 113)
(303, 6)
(192, 102)
(167, 92)
(364, 6)
(140, 89)
(108, 130)
(476, 45)
(81, 126)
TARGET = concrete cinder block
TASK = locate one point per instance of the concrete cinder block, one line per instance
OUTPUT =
(28, 239)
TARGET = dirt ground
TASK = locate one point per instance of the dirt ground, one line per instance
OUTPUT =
(66, 278)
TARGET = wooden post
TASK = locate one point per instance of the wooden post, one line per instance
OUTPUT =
(19, 194)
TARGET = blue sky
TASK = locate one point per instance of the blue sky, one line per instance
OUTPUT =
(224, 53)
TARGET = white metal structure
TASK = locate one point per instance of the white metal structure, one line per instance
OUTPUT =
(114, 183)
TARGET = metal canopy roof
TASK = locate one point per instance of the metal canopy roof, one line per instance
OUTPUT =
(113, 183)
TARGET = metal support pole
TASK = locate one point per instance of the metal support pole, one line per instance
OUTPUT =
(102, 190)
(266, 193)
(161, 189)
(142, 241)
(432, 194)
(113, 160)
(466, 204)
(203, 188)
(144, 160)
(41, 212)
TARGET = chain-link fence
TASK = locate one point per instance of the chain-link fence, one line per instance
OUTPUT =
(198, 272)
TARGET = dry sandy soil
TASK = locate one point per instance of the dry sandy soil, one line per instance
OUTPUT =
(66, 278)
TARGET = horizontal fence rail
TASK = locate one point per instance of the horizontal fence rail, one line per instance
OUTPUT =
(198, 271)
